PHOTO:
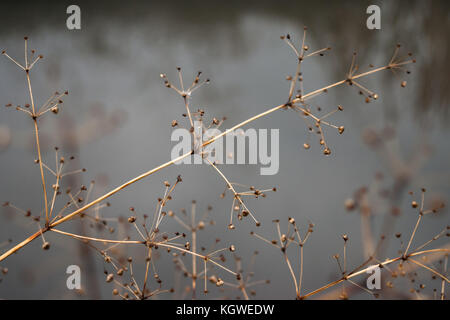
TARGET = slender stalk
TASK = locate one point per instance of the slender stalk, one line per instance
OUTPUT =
(413, 233)
(292, 274)
(300, 277)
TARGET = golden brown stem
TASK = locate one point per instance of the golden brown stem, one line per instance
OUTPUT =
(38, 145)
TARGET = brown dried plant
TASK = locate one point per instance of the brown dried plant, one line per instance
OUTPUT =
(406, 258)
(150, 237)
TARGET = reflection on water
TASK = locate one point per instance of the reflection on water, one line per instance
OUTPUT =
(117, 117)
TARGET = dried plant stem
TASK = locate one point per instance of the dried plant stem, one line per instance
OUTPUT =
(244, 292)
(171, 162)
(385, 263)
(147, 266)
(413, 234)
(443, 282)
(97, 239)
(294, 278)
(300, 277)
(430, 269)
(194, 261)
(38, 145)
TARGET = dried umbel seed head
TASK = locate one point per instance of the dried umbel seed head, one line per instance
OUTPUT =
(327, 151)
(132, 219)
(120, 272)
(345, 237)
(414, 204)
(46, 245)
(341, 129)
(306, 146)
(115, 292)
(109, 277)
(232, 248)
(403, 84)
(291, 220)
(231, 226)
(4, 270)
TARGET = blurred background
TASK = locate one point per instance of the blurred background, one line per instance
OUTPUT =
(116, 121)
